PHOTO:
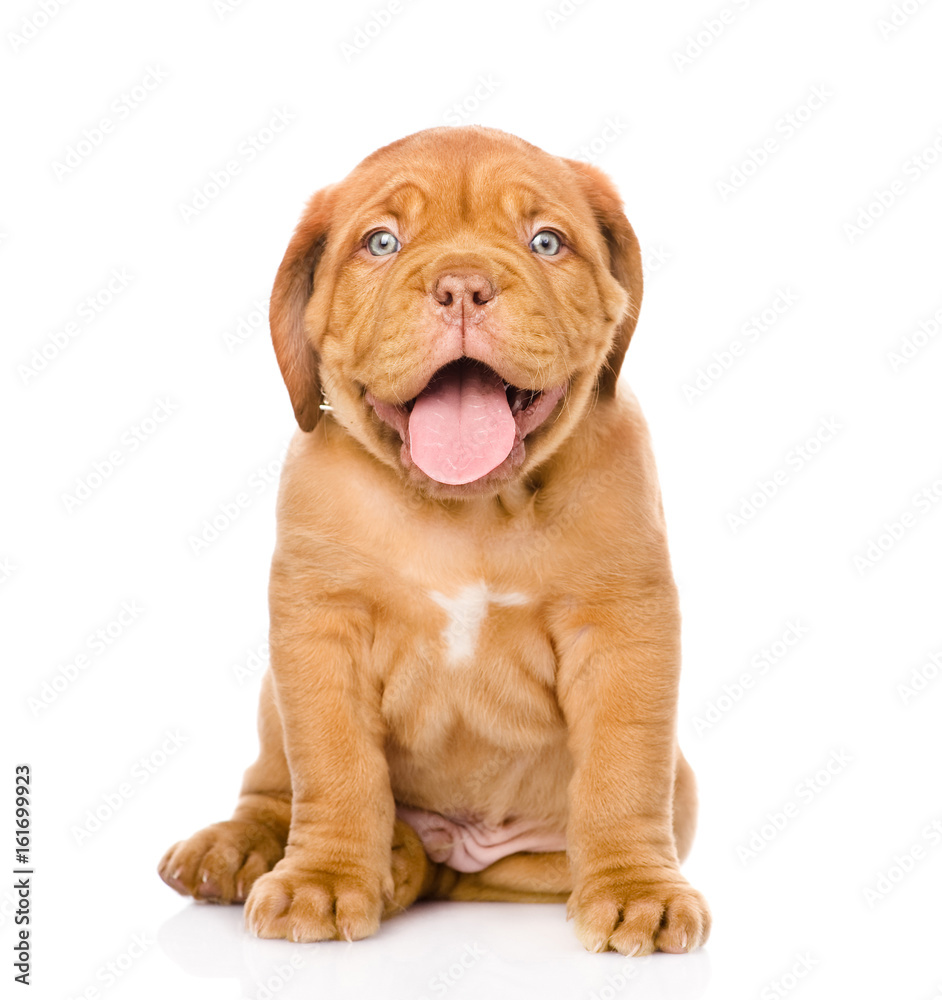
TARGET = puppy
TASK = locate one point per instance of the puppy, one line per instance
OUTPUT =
(474, 626)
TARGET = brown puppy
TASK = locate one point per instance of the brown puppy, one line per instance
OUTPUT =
(474, 627)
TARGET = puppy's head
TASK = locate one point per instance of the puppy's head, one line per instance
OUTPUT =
(462, 299)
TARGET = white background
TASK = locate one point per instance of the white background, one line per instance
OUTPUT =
(816, 397)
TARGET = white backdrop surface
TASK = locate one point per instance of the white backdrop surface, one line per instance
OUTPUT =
(782, 166)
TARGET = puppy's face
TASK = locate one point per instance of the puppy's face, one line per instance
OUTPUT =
(459, 299)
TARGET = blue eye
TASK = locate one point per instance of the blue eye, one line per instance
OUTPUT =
(382, 243)
(546, 242)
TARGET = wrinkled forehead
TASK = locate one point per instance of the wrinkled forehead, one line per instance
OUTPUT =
(478, 186)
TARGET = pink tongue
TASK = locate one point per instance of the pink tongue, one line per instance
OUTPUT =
(461, 427)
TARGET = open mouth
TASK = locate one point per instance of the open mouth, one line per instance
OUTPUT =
(467, 422)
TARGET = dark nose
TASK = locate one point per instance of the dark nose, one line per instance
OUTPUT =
(463, 293)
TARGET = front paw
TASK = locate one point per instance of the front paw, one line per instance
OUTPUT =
(300, 904)
(625, 912)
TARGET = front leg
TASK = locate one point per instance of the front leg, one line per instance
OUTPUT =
(617, 687)
(335, 875)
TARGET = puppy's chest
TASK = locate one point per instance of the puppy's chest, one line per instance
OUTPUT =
(466, 652)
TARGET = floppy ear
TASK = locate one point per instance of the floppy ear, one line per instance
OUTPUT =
(624, 256)
(294, 285)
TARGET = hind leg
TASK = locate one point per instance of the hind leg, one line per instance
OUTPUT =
(546, 878)
(220, 863)
(685, 807)
(518, 878)
(414, 875)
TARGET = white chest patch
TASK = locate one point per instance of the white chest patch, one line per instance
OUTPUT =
(466, 611)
